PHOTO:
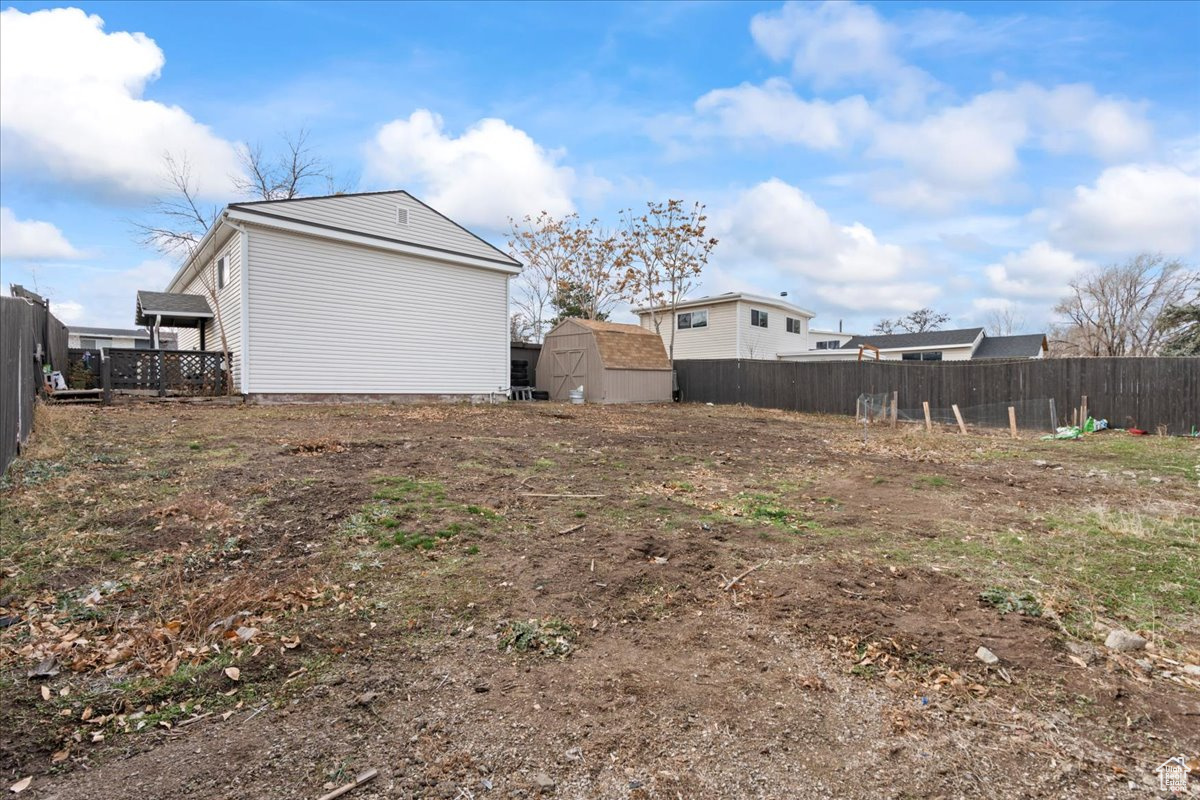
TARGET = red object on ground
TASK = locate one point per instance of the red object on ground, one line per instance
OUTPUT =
(1137, 432)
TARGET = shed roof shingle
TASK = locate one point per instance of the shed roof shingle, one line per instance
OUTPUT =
(625, 346)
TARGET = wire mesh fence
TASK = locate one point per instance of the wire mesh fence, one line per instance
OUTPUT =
(1024, 416)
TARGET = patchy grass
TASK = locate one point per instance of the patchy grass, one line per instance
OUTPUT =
(1006, 601)
(547, 637)
(930, 482)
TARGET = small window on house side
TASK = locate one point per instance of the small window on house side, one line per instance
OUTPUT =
(910, 357)
(683, 321)
(222, 271)
(829, 344)
(699, 319)
(794, 325)
(691, 319)
(935, 355)
(758, 318)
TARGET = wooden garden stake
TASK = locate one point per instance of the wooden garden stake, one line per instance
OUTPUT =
(962, 426)
(928, 421)
(895, 400)
(1012, 421)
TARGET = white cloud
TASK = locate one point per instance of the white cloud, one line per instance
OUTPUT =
(491, 172)
(777, 223)
(773, 111)
(68, 312)
(1039, 271)
(901, 297)
(775, 232)
(966, 149)
(1133, 208)
(108, 298)
(71, 108)
(32, 240)
(835, 43)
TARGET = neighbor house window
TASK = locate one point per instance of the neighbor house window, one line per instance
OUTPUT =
(758, 318)
(691, 319)
(94, 344)
(794, 326)
(933, 355)
(829, 344)
(222, 273)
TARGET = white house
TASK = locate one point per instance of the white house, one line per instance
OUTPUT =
(94, 338)
(371, 294)
(732, 325)
(953, 345)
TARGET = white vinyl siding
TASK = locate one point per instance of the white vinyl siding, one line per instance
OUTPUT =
(231, 305)
(960, 353)
(375, 214)
(767, 343)
(716, 340)
(328, 317)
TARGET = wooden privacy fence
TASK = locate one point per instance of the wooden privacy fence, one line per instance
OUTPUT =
(31, 338)
(179, 372)
(1146, 392)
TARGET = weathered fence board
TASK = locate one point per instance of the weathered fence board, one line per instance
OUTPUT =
(19, 378)
(1142, 392)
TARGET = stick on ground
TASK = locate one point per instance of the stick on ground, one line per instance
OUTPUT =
(737, 578)
(362, 778)
(538, 494)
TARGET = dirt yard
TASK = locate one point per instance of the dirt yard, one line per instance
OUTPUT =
(534, 600)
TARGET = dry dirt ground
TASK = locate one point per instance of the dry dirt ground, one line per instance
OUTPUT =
(535, 600)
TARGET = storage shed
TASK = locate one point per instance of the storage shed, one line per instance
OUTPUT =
(614, 363)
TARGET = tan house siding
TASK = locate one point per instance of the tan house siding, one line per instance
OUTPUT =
(767, 343)
(715, 341)
(230, 302)
(338, 318)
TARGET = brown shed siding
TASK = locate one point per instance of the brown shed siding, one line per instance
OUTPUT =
(639, 374)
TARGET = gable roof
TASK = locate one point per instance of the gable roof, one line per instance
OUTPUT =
(730, 297)
(176, 310)
(1026, 345)
(624, 346)
(314, 211)
(958, 337)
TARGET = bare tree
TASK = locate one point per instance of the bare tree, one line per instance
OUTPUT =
(593, 279)
(665, 250)
(1003, 321)
(288, 174)
(520, 328)
(919, 321)
(1118, 310)
(178, 219)
(549, 247)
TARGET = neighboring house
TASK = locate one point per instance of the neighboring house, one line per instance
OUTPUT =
(94, 338)
(355, 294)
(961, 344)
(732, 325)
(821, 339)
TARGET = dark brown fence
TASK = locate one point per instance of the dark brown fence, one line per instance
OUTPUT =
(1146, 392)
(31, 338)
(178, 372)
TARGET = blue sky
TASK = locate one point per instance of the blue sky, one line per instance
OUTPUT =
(868, 159)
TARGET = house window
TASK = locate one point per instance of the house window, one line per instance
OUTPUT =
(758, 319)
(794, 326)
(94, 344)
(691, 319)
(829, 344)
(222, 273)
(932, 355)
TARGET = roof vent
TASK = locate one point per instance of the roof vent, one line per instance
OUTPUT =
(401, 216)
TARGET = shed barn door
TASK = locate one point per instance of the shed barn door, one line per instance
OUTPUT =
(569, 371)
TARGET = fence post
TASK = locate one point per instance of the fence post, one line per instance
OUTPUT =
(106, 378)
(162, 375)
(928, 421)
(1012, 421)
(962, 426)
(895, 402)
(1053, 417)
